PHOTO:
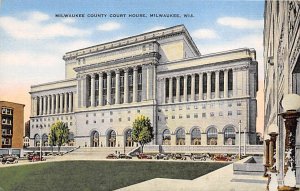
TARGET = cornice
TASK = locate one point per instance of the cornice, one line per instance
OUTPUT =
(155, 55)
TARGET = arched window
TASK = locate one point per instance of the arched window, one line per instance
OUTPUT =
(204, 83)
(37, 140)
(128, 138)
(229, 136)
(166, 137)
(212, 136)
(71, 139)
(45, 140)
(95, 139)
(196, 136)
(111, 138)
(180, 137)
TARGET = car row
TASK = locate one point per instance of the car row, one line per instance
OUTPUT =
(119, 156)
(35, 157)
(9, 159)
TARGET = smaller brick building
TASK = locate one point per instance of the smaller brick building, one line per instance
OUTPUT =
(12, 125)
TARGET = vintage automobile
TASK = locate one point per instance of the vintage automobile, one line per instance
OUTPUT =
(179, 156)
(35, 157)
(144, 156)
(201, 157)
(9, 159)
(111, 156)
(222, 157)
(123, 156)
(162, 156)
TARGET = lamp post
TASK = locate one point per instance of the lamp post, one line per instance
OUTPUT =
(272, 181)
(290, 103)
(240, 123)
(267, 164)
(245, 141)
(40, 129)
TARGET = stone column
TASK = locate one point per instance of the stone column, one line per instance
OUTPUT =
(32, 103)
(220, 140)
(126, 87)
(44, 105)
(83, 91)
(208, 85)
(93, 76)
(117, 88)
(200, 86)
(66, 103)
(61, 98)
(79, 87)
(57, 103)
(40, 105)
(225, 83)
(108, 92)
(144, 82)
(48, 104)
(101, 89)
(70, 102)
(185, 88)
(35, 106)
(217, 83)
(164, 80)
(193, 87)
(135, 84)
(170, 90)
(178, 88)
(203, 139)
(234, 82)
(150, 81)
(52, 103)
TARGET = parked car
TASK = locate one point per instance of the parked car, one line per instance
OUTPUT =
(201, 157)
(179, 156)
(123, 156)
(35, 157)
(111, 156)
(222, 157)
(144, 156)
(9, 159)
(162, 156)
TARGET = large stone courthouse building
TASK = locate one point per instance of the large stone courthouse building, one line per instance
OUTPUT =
(191, 99)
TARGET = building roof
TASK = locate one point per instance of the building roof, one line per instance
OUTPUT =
(157, 34)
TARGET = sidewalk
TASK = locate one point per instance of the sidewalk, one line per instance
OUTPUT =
(220, 180)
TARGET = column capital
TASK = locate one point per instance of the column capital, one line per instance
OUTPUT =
(108, 73)
(117, 71)
(193, 74)
(177, 77)
(93, 75)
(100, 74)
(135, 68)
(126, 70)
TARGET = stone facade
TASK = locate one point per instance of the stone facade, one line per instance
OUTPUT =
(282, 69)
(190, 98)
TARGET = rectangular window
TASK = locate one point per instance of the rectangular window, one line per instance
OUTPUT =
(111, 113)
(138, 111)
(86, 122)
(229, 113)
(188, 107)
(120, 119)
(128, 118)
(111, 120)
(229, 104)
(180, 116)
(195, 106)
(166, 117)
(239, 112)
(239, 103)
(139, 78)
(203, 106)
(94, 121)
(203, 115)
(173, 116)
(220, 113)
(188, 116)
(196, 115)
(180, 108)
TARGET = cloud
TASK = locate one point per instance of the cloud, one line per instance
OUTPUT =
(241, 23)
(155, 28)
(36, 27)
(109, 26)
(38, 16)
(204, 34)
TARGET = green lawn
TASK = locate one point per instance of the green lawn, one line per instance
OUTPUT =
(96, 175)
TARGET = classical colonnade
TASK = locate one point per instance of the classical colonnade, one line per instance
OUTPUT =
(52, 104)
(118, 86)
(199, 86)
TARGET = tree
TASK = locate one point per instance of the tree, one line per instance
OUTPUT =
(142, 131)
(59, 134)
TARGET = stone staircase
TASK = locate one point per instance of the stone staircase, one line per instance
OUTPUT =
(94, 153)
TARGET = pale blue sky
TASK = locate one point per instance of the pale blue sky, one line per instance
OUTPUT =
(33, 40)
